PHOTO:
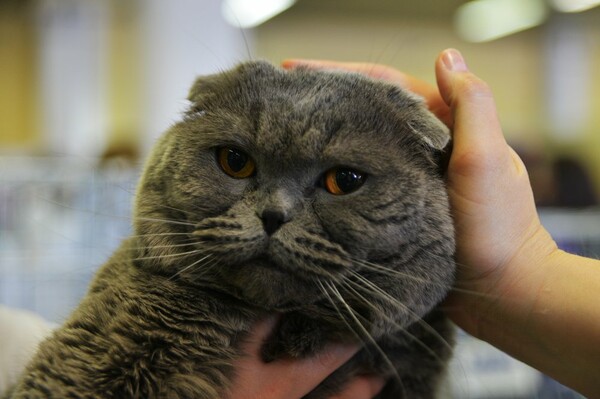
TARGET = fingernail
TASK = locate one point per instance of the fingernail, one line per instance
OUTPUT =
(454, 61)
(290, 63)
(296, 62)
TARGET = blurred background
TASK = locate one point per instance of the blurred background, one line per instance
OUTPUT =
(86, 87)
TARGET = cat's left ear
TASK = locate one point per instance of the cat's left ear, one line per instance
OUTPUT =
(434, 134)
(203, 88)
(429, 129)
(419, 119)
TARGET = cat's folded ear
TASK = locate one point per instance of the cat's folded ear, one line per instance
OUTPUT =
(419, 119)
(208, 86)
(203, 89)
(430, 129)
(434, 134)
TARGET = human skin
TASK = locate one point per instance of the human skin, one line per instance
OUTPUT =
(289, 379)
(515, 289)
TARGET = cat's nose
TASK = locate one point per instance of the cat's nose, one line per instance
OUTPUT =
(272, 220)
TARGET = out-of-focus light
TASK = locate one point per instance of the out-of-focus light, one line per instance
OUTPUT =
(250, 13)
(574, 5)
(485, 20)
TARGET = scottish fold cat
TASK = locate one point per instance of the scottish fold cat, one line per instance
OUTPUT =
(313, 195)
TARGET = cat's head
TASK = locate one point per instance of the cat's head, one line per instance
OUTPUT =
(278, 185)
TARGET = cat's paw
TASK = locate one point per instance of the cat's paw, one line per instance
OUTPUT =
(296, 336)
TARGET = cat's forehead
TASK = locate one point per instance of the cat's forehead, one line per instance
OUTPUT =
(306, 111)
(324, 88)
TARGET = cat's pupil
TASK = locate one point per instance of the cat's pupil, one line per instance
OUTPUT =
(236, 160)
(348, 180)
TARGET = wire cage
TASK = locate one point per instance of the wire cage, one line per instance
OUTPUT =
(59, 221)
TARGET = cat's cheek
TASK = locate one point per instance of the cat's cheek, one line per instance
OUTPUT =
(211, 192)
(357, 236)
(339, 225)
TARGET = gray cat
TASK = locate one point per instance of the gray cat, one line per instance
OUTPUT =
(313, 195)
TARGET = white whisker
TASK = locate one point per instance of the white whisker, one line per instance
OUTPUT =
(166, 221)
(158, 235)
(196, 251)
(369, 287)
(206, 269)
(364, 331)
(338, 311)
(397, 273)
(401, 329)
(388, 271)
(189, 267)
(165, 246)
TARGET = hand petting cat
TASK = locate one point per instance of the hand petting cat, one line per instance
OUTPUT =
(154, 325)
(294, 379)
(315, 196)
(515, 288)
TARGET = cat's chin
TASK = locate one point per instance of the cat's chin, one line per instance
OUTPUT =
(262, 282)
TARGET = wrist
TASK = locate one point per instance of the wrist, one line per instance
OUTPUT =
(513, 290)
(542, 310)
(484, 305)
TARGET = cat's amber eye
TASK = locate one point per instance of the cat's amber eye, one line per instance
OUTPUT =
(235, 163)
(339, 181)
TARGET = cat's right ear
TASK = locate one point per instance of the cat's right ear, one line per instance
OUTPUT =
(205, 94)
(202, 90)
(431, 131)
(434, 134)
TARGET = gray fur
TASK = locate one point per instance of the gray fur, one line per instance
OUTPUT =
(164, 317)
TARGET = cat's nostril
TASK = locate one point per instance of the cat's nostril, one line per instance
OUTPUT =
(272, 221)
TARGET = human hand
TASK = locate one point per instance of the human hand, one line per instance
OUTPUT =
(430, 94)
(293, 378)
(497, 227)
(514, 288)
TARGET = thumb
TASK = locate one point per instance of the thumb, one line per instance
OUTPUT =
(477, 131)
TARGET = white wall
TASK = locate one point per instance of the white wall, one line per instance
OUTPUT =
(182, 39)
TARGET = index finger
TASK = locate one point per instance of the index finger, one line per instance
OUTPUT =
(283, 378)
(430, 93)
